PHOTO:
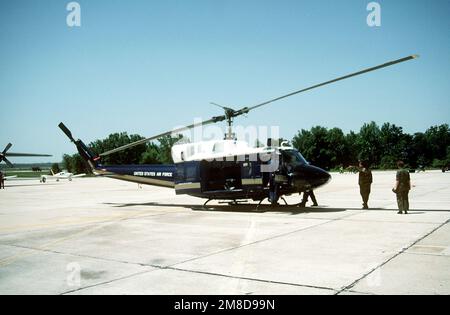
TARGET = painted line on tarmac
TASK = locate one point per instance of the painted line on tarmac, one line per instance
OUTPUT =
(405, 249)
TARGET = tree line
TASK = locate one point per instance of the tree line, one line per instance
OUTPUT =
(381, 147)
(327, 148)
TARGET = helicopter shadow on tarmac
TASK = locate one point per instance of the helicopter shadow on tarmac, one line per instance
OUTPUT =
(253, 208)
(240, 208)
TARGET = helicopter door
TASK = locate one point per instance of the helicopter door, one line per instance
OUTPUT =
(221, 176)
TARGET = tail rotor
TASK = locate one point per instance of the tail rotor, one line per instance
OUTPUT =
(83, 150)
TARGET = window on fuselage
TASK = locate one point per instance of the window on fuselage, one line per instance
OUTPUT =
(191, 173)
(219, 147)
(293, 158)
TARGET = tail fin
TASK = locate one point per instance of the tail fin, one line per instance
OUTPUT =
(83, 150)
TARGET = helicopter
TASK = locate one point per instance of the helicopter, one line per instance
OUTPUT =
(6, 153)
(227, 169)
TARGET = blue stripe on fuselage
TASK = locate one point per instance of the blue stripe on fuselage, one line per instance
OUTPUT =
(166, 172)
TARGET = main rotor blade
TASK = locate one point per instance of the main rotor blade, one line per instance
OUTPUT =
(8, 162)
(245, 110)
(131, 145)
(388, 64)
(27, 155)
(223, 107)
(7, 148)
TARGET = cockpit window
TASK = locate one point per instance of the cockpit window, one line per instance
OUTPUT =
(293, 157)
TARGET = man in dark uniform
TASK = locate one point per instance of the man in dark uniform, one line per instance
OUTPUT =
(273, 190)
(306, 195)
(365, 183)
(2, 180)
(402, 188)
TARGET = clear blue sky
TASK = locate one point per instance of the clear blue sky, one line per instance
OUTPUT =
(148, 66)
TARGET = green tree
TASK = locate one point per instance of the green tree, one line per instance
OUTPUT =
(369, 143)
(151, 155)
(55, 168)
(322, 147)
(165, 148)
(393, 146)
(68, 163)
(75, 164)
(116, 140)
(420, 153)
(351, 149)
(438, 138)
(306, 144)
(337, 148)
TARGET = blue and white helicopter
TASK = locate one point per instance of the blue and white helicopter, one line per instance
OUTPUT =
(228, 169)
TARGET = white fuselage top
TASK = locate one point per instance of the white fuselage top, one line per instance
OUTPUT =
(216, 149)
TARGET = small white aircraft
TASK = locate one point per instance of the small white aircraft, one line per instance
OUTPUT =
(60, 176)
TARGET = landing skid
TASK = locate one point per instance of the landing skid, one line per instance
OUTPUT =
(234, 203)
(244, 202)
(282, 198)
(208, 201)
(230, 203)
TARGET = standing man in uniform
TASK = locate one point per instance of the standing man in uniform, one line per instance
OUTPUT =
(365, 183)
(2, 180)
(402, 188)
(273, 190)
(306, 195)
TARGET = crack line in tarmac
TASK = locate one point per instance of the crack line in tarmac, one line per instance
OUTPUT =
(250, 279)
(9, 260)
(172, 267)
(108, 282)
(47, 250)
(347, 288)
(5, 262)
(399, 222)
(266, 239)
(159, 268)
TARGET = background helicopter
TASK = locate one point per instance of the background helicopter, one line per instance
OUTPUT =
(5, 154)
(224, 169)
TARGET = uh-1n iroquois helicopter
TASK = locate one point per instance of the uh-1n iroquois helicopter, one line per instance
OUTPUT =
(227, 170)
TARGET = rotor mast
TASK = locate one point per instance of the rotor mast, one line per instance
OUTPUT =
(230, 135)
(229, 116)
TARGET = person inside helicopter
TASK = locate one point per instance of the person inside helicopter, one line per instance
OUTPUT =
(289, 160)
(293, 158)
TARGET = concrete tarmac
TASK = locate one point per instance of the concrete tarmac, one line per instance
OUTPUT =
(102, 236)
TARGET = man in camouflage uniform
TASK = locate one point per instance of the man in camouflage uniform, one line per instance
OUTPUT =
(365, 183)
(402, 188)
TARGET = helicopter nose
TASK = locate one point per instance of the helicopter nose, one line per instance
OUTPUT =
(311, 176)
(323, 177)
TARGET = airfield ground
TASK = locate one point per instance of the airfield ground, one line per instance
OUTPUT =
(101, 236)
